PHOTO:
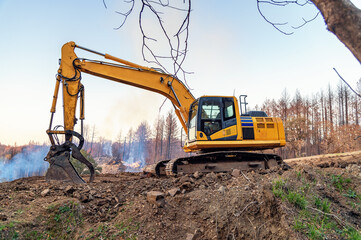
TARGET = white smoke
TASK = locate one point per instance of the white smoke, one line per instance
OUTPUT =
(29, 162)
(107, 148)
(134, 160)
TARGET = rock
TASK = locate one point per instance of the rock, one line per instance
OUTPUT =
(197, 175)
(197, 234)
(211, 175)
(173, 191)
(190, 236)
(221, 189)
(3, 217)
(76, 195)
(220, 175)
(156, 198)
(69, 189)
(236, 173)
(187, 185)
(45, 192)
(83, 198)
(119, 198)
(184, 179)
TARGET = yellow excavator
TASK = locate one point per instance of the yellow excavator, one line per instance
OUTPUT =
(217, 129)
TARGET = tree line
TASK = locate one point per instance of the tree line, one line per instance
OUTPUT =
(325, 122)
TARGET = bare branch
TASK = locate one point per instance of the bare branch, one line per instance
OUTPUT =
(278, 25)
(176, 38)
(126, 14)
(306, 21)
(347, 83)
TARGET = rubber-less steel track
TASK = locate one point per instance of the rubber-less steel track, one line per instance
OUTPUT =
(222, 161)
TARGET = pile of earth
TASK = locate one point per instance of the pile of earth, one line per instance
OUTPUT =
(317, 198)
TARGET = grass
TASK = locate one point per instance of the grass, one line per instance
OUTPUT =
(7, 231)
(64, 220)
(277, 188)
(315, 224)
(126, 230)
(352, 194)
(297, 199)
(351, 234)
(340, 182)
(293, 197)
(323, 205)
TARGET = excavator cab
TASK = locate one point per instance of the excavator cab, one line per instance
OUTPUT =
(210, 115)
(215, 123)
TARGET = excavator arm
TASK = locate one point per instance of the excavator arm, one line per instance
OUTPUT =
(69, 76)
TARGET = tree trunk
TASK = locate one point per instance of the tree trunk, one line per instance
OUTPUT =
(344, 20)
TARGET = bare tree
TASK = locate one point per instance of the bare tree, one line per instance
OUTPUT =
(159, 132)
(171, 131)
(156, 24)
(330, 104)
(284, 104)
(93, 134)
(142, 135)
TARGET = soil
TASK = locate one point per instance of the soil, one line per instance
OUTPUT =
(238, 205)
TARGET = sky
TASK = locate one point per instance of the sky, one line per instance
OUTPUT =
(232, 51)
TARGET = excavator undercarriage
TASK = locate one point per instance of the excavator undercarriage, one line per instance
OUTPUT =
(221, 161)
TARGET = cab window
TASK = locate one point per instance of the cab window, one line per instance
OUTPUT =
(211, 117)
(229, 108)
(192, 134)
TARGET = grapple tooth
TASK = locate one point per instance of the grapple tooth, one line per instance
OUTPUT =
(61, 169)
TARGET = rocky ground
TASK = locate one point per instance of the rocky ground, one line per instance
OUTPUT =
(319, 198)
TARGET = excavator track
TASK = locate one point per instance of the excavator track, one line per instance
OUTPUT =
(222, 161)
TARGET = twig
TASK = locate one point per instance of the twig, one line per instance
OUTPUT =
(331, 215)
(255, 233)
(285, 3)
(244, 209)
(347, 83)
(245, 177)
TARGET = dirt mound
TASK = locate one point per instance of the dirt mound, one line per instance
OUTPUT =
(318, 198)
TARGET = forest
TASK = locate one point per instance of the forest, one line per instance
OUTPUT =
(325, 122)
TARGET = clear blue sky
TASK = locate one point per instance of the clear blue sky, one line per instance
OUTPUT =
(231, 49)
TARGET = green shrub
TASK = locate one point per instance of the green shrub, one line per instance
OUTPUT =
(297, 199)
(339, 182)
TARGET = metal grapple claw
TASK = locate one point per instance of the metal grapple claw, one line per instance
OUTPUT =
(60, 168)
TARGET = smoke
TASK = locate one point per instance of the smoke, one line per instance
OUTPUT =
(107, 148)
(134, 159)
(29, 162)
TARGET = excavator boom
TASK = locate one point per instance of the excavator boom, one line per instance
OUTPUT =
(69, 75)
(212, 123)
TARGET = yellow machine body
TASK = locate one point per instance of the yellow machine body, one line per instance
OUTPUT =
(231, 132)
(216, 129)
(212, 123)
